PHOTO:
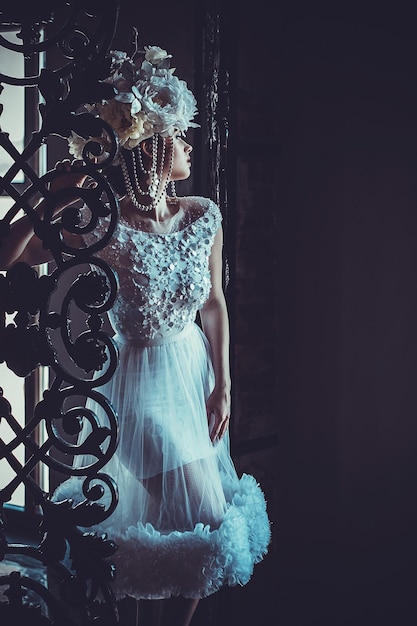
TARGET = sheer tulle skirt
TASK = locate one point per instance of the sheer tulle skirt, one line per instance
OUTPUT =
(185, 523)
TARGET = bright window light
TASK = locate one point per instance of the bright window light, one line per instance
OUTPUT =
(13, 100)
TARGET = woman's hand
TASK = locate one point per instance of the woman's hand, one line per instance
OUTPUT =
(20, 244)
(71, 174)
(218, 412)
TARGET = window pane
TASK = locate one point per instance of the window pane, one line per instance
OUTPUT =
(13, 390)
(13, 100)
(12, 121)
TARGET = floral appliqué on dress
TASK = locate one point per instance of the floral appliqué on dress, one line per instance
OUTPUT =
(164, 278)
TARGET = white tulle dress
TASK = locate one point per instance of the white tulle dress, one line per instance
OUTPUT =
(186, 524)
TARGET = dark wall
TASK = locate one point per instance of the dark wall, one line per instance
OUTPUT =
(344, 205)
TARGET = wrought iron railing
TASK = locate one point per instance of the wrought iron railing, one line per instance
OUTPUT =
(75, 587)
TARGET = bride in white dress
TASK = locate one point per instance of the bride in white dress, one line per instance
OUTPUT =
(186, 524)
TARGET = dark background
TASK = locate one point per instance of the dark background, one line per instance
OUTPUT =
(322, 242)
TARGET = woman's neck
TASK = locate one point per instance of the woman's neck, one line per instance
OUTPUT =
(164, 211)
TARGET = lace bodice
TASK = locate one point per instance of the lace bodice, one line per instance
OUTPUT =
(164, 277)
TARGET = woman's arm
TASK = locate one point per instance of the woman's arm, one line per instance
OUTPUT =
(21, 244)
(215, 323)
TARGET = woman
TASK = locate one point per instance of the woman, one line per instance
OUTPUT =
(185, 524)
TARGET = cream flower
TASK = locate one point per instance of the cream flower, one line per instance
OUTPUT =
(119, 116)
(155, 54)
(76, 145)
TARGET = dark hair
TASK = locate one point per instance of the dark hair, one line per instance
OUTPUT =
(115, 177)
(114, 173)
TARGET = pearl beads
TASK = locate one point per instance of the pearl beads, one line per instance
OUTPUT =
(155, 189)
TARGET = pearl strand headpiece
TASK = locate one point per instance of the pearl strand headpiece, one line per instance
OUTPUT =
(156, 188)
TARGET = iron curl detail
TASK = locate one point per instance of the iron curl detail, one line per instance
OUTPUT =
(79, 31)
(37, 312)
(81, 426)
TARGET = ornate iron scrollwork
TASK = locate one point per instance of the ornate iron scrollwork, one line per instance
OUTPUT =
(40, 332)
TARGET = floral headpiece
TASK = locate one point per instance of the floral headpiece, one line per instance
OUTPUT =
(149, 100)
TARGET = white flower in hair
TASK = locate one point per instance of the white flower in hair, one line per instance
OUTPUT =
(150, 100)
(155, 54)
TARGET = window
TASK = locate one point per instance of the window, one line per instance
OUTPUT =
(15, 119)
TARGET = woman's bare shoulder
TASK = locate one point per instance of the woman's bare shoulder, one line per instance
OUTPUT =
(197, 206)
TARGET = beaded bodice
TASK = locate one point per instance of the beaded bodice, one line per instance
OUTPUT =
(164, 277)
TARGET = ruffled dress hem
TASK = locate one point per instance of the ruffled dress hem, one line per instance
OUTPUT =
(193, 564)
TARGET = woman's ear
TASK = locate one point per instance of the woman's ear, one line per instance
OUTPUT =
(146, 146)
